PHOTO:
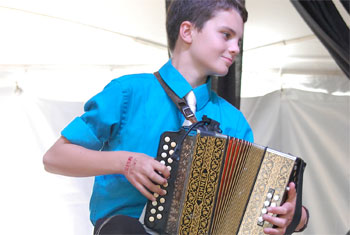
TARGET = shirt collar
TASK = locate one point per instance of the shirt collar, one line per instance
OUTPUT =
(181, 87)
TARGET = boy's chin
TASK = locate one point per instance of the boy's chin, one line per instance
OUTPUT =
(220, 73)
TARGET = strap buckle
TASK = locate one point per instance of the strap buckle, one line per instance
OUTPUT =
(187, 112)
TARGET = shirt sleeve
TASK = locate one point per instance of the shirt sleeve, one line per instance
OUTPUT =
(102, 117)
(233, 120)
(243, 129)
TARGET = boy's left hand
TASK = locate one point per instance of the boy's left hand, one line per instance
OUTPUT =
(285, 213)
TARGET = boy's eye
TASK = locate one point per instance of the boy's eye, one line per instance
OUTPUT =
(226, 35)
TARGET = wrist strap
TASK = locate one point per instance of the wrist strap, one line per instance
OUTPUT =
(181, 104)
(307, 220)
(298, 206)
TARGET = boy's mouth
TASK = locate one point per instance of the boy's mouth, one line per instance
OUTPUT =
(228, 59)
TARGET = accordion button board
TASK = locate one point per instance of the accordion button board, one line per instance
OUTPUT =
(217, 185)
(155, 213)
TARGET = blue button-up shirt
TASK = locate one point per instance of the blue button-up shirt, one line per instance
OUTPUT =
(130, 114)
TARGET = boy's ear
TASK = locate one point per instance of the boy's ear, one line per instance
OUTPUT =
(185, 31)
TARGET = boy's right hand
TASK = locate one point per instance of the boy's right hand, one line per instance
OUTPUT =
(141, 171)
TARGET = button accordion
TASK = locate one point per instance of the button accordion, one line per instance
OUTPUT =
(218, 184)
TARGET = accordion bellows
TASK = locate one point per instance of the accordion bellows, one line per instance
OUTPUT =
(218, 185)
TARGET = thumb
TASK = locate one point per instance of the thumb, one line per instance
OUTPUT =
(292, 192)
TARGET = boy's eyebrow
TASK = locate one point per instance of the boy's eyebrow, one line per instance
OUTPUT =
(229, 29)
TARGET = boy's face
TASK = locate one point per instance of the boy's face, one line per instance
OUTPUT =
(215, 46)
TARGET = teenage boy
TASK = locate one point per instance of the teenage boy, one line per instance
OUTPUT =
(116, 138)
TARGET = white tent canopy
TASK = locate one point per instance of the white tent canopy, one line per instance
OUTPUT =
(54, 55)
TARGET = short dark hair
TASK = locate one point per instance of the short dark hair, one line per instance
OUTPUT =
(197, 12)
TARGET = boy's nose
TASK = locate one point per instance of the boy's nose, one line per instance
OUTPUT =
(234, 48)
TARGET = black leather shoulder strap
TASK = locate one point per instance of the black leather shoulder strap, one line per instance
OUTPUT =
(181, 104)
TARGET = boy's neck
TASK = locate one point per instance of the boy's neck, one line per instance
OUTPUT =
(188, 69)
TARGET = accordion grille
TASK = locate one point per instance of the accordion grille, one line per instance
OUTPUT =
(202, 185)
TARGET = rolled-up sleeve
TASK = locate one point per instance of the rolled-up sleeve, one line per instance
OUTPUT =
(102, 117)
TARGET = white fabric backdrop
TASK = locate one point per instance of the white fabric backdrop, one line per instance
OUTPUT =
(316, 127)
(32, 200)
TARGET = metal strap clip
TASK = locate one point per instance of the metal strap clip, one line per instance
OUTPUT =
(186, 110)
